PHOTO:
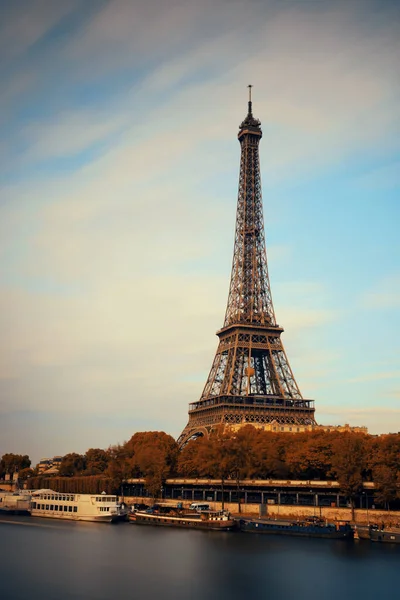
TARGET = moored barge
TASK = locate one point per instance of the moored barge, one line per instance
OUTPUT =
(207, 520)
(311, 528)
(374, 533)
(15, 503)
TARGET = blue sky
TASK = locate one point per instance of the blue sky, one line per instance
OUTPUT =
(119, 172)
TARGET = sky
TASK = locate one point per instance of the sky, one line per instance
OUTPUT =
(119, 168)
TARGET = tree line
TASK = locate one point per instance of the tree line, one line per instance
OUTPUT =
(250, 453)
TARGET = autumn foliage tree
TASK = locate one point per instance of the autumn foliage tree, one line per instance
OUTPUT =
(154, 456)
(96, 461)
(385, 467)
(350, 458)
(350, 463)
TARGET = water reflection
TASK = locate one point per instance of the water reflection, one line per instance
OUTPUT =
(95, 561)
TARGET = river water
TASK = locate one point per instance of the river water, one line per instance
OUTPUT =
(50, 559)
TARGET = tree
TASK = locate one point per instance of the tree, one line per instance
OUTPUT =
(386, 485)
(310, 454)
(154, 457)
(384, 462)
(217, 457)
(10, 463)
(349, 464)
(269, 455)
(188, 463)
(119, 466)
(24, 474)
(72, 464)
(96, 461)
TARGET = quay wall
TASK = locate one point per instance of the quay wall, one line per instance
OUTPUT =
(361, 516)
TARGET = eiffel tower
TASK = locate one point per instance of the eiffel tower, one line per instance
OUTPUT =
(250, 381)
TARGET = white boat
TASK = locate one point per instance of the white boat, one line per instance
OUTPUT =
(14, 503)
(77, 507)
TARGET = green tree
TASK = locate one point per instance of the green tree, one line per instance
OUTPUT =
(10, 463)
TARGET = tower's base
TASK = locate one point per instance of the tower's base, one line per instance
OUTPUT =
(234, 413)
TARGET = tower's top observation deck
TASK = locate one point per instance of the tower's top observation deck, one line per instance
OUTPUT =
(250, 124)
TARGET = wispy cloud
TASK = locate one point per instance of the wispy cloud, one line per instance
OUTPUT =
(376, 377)
(385, 295)
(118, 214)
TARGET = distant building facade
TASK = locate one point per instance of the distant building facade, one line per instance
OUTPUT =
(49, 466)
(299, 428)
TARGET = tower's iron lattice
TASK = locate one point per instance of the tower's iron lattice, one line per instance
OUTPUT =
(250, 381)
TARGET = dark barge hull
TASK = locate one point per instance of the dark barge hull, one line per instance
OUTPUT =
(385, 535)
(374, 534)
(330, 531)
(15, 511)
(185, 523)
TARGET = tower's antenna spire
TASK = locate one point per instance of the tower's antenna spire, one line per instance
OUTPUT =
(250, 102)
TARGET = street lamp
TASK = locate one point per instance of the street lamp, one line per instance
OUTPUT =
(365, 494)
(313, 500)
(277, 499)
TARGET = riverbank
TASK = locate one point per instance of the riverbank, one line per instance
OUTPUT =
(280, 511)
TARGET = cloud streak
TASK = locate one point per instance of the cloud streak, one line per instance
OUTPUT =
(118, 205)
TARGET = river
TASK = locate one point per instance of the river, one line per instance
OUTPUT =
(50, 559)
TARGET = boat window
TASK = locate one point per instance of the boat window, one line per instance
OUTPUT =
(56, 507)
(65, 508)
(75, 508)
(51, 506)
(69, 508)
(33, 504)
(47, 507)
